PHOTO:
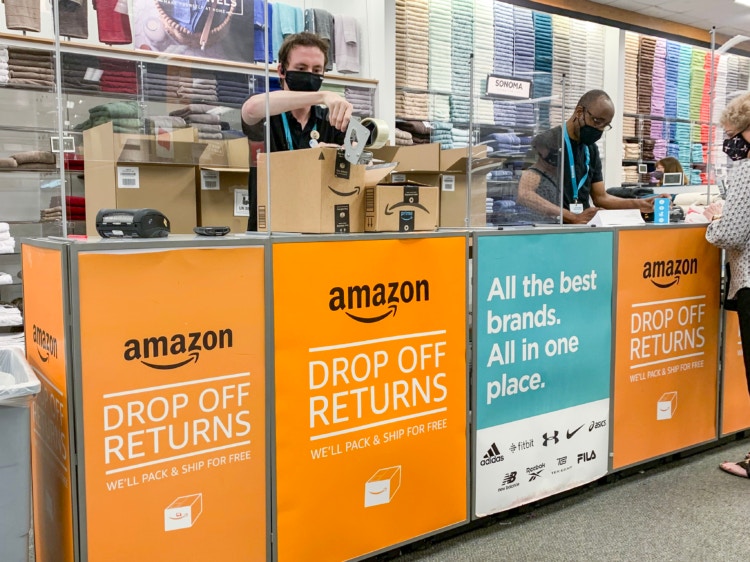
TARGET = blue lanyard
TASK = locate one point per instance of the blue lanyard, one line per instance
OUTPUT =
(573, 177)
(288, 134)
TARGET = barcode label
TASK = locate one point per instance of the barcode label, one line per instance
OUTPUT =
(128, 177)
(398, 178)
(448, 183)
(210, 180)
(370, 200)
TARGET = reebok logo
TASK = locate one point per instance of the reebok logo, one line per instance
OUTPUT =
(569, 434)
(535, 472)
(46, 343)
(164, 349)
(669, 271)
(491, 456)
(355, 300)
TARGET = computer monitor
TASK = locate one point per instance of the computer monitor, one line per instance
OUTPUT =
(672, 178)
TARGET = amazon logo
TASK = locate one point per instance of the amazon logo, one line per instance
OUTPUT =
(665, 273)
(178, 350)
(355, 191)
(46, 343)
(369, 304)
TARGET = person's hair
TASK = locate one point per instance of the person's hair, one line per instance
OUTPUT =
(671, 165)
(736, 116)
(303, 39)
(591, 96)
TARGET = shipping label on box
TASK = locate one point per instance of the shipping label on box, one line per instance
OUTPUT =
(402, 207)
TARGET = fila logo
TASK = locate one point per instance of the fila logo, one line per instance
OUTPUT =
(586, 457)
(164, 349)
(492, 456)
(355, 300)
(669, 268)
(554, 438)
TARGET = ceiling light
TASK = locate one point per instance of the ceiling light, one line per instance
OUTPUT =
(743, 2)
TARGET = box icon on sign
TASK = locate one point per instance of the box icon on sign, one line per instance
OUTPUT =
(666, 406)
(183, 512)
(382, 486)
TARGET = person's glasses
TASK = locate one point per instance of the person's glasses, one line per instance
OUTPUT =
(599, 123)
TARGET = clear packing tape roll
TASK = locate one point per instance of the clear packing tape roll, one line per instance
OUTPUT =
(379, 132)
(376, 132)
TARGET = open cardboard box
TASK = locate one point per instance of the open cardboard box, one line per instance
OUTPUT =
(413, 157)
(220, 188)
(314, 190)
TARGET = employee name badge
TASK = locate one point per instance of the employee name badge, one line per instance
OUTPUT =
(576, 208)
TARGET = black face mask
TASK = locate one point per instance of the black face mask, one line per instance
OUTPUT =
(299, 81)
(736, 147)
(589, 134)
(657, 174)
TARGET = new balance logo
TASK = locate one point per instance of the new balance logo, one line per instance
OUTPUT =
(509, 478)
(554, 438)
(492, 456)
(509, 482)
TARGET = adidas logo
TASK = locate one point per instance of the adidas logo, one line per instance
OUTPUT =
(492, 456)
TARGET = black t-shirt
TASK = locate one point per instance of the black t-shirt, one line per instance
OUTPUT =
(553, 137)
(300, 139)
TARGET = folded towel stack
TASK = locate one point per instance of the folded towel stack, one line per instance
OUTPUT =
(7, 242)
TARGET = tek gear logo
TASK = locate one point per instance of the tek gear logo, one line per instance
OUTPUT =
(357, 300)
(161, 350)
(46, 344)
(492, 456)
(669, 271)
(554, 438)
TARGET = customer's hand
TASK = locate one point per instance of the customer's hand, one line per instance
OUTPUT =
(646, 205)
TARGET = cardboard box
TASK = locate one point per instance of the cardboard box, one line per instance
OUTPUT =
(401, 207)
(232, 153)
(423, 157)
(314, 190)
(126, 171)
(457, 159)
(382, 486)
(183, 512)
(453, 196)
(217, 195)
(220, 188)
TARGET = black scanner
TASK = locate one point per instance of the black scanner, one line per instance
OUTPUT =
(131, 223)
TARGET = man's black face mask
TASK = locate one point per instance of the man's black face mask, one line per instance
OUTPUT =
(299, 81)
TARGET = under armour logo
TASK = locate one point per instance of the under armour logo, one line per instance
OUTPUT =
(554, 437)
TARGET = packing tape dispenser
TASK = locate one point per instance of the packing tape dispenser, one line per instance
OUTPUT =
(363, 134)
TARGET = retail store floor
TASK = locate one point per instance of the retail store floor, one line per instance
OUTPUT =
(686, 510)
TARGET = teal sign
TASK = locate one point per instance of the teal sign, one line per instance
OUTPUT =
(543, 323)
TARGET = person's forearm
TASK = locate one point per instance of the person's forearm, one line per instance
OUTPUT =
(280, 101)
(608, 201)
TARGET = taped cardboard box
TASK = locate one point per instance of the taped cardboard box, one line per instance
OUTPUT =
(401, 207)
(314, 190)
(125, 171)
(422, 157)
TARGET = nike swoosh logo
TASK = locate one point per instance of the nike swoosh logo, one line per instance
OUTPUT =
(570, 434)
